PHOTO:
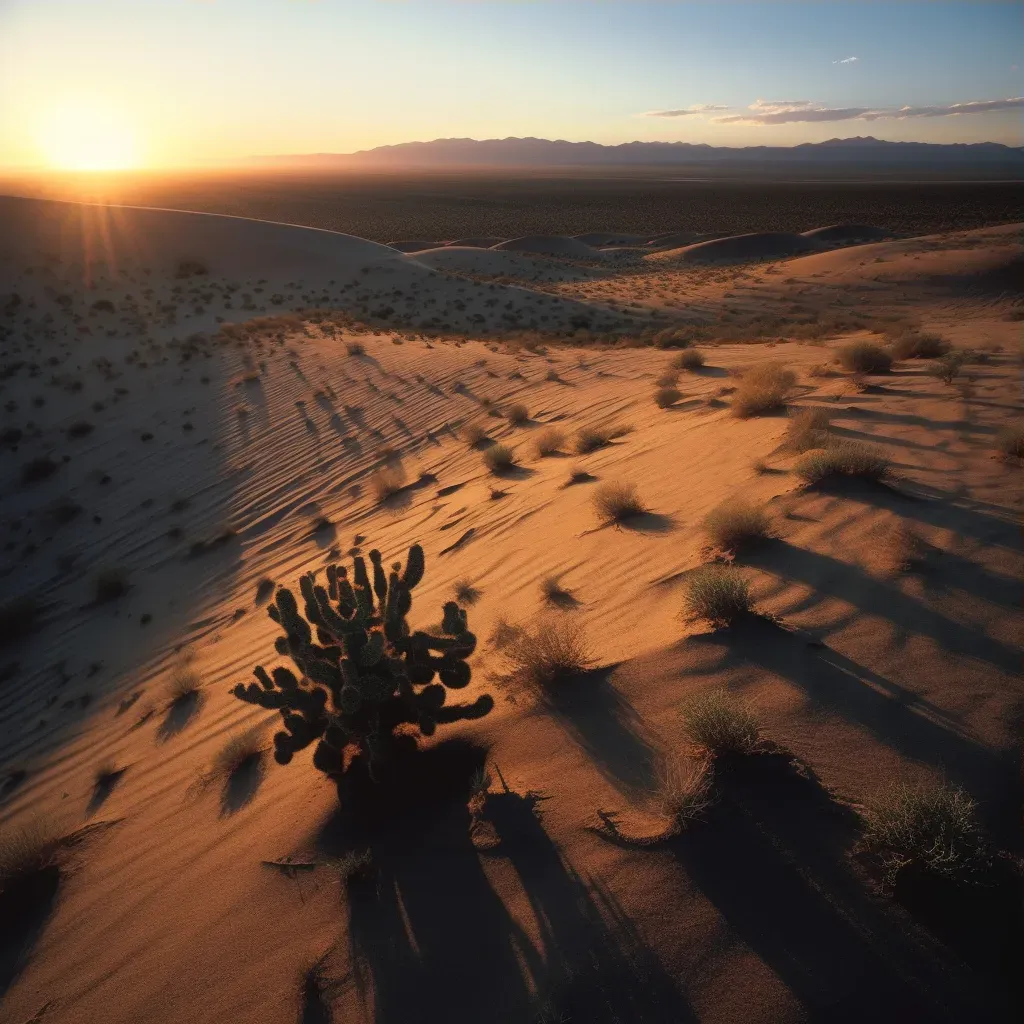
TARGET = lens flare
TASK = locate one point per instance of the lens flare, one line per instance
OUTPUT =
(83, 138)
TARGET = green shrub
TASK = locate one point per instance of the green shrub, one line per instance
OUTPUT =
(499, 458)
(845, 458)
(716, 721)
(935, 828)
(762, 389)
(617, 502)
(735, 524)
(864, 357)
(718, 593)
(368, 674)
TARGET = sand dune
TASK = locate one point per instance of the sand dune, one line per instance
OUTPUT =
(481, 242)
(551, 245)
(740, 248)
(198, 465)
(847, 234)
(502, 263)
(412, 245)
(597, 239)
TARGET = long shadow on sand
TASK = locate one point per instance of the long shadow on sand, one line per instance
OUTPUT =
(895, 715)
(432, 940)
(830, 577)
(771, 858)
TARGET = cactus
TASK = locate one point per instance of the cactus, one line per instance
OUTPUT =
(362, 671)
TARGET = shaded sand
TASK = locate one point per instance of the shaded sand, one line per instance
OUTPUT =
(551, 245)
(740, 248)
(220, 463)
(483, 242)
(412, 245)
(847, 234)
(470, 261)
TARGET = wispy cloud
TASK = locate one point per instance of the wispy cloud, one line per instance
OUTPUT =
(847, 60)
(697, 108)
(765, 112)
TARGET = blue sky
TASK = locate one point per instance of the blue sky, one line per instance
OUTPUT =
(179, 81)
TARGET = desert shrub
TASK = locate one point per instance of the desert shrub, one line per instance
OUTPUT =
(29, 868)
(549, 441)
(551, 651)
(240, 751)
(735, 524)
(864, 357)
(665, 398)
(465, 592)
(370, 674)
(473, 434)
(1010, 441)
(110, 584)
(553, 592)
(386, 483)
(617, 501)
(718, 593)
(18, 618)
(716, 721)
(917, 345)
(355, 348)
(807, 428)
(184, 683)
(762, 389)
(684, 791)
(669, 379)
(902, 549)
(190, 268)
(948, 366)
(38, 469)
(517, 414)
(934, 828)
(499, 458)
(589, 439)
(689, 359)
(845, 458)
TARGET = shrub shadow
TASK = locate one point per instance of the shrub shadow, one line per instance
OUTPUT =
(179, 715)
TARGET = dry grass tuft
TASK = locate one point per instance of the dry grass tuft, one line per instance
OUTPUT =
(473, 434)
(517, 414)
(355, 348)
(550, 652)
(589, 439)
(617, 502)
(902, 549)
(499, 458)
(184, 683)
(911, 344)
(665, 398)
(762, 389)
(846, 458)
(934, 828)
(1010, 442)
(549, 441)
(735, 524)
(718, 723)
(26, 853)
(240, 751)
(864, 357)
(689, 359)
(808, 428)
(386, 483)
(684, 791)
(718, 593)
(465, 592)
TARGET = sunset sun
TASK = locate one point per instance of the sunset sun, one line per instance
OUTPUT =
(88, 139)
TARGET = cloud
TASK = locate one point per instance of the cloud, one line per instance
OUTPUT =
(847, 60)
(697, 108)
(765, 112)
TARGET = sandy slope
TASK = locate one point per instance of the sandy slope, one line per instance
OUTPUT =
(759, 914)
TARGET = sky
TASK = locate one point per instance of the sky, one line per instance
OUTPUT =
(98, 83)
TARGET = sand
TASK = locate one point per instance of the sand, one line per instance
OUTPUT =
(216, 462)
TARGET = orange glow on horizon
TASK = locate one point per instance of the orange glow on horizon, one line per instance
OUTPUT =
(87, 138)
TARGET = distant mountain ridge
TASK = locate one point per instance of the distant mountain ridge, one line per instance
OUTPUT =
(864, 151)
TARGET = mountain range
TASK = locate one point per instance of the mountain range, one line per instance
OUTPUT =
(862, 152)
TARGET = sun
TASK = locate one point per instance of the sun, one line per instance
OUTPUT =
(86, 138)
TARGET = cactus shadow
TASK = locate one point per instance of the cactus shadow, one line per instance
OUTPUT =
(607, 727)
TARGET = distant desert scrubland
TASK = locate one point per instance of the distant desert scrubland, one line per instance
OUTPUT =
(721, 565)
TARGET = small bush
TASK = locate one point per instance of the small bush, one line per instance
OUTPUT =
(552, 651)
(665, 398)
(735, 524)
(684, 791)
(386, 483)
(553, 592)
(27, 856)
(716, 721)
(355, 348)
(589, 439)
(864, 357)
(690, 359)
(184, 683)
(762, 389)
(517, 414)
(465, 592)
(847, 458)
(668, 379)
(916, 345)
(934, 828)
(1010, 442)
(617, 501)
(18, 618)
(808, 428)
(947, 368)
(549, 441)
(110, 585)
(718, 593)
(473, 434)
(239, 752)
(38, 469)
(499, 458)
